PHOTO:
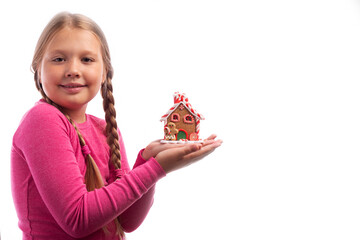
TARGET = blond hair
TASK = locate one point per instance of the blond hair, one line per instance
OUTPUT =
(93, 179)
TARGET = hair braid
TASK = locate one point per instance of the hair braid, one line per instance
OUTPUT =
(93, 179)
(111, 125)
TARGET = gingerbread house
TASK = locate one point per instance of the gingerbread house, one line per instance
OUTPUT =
(181, 122)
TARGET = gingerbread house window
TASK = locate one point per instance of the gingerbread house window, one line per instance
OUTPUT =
(175, 117)
(188, 118)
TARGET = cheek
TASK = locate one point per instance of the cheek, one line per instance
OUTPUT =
(94, 81)
(49, 74)
(95, 76)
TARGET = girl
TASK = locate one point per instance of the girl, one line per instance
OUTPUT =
(70, 174)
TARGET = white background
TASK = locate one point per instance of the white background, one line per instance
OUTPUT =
(277, 80)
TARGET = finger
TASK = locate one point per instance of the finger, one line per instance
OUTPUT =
(203, 152)
(211, 137)
(172, 159)
(208, 142)
(189, 148)
(165, 146)
(184, 150)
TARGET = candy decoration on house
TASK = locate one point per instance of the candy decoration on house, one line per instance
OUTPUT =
(182, 121)
(170, 132)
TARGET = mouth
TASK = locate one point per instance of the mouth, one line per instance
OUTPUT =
(72, 88)
(72, 85)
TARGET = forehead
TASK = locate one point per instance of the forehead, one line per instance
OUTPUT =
(75, 40)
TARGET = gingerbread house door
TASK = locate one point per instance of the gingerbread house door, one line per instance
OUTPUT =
(181, 135)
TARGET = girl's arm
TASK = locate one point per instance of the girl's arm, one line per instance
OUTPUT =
(132, 218)
(170, 157)
(43, 140)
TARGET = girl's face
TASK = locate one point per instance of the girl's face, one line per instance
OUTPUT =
(72, 69)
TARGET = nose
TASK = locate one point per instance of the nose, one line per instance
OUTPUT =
(72, 70)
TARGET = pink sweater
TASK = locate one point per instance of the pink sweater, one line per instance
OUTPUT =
(48, 169)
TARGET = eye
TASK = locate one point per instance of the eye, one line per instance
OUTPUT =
(58, 59)
(87, 60)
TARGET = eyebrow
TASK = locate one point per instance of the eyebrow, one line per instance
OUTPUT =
(64, 52)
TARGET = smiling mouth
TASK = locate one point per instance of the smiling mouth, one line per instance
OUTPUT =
(72, 86)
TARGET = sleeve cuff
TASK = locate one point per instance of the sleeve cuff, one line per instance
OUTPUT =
(157, 167)
(151, 165)
(149, 173)
(139, 160)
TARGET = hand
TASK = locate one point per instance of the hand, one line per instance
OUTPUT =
(175, 158)
(155, 147)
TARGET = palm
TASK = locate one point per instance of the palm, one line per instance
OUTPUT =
(174, 158)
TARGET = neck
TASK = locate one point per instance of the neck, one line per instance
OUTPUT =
(77, 115)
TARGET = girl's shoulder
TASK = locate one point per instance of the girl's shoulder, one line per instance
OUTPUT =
(42, 111)
(42, 121)
(41, 116)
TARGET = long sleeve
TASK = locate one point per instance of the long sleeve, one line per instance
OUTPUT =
(46, 156)
(132, 218)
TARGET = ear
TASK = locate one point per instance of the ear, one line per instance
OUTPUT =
(38, 80)
(104, 75)
(39, 76)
